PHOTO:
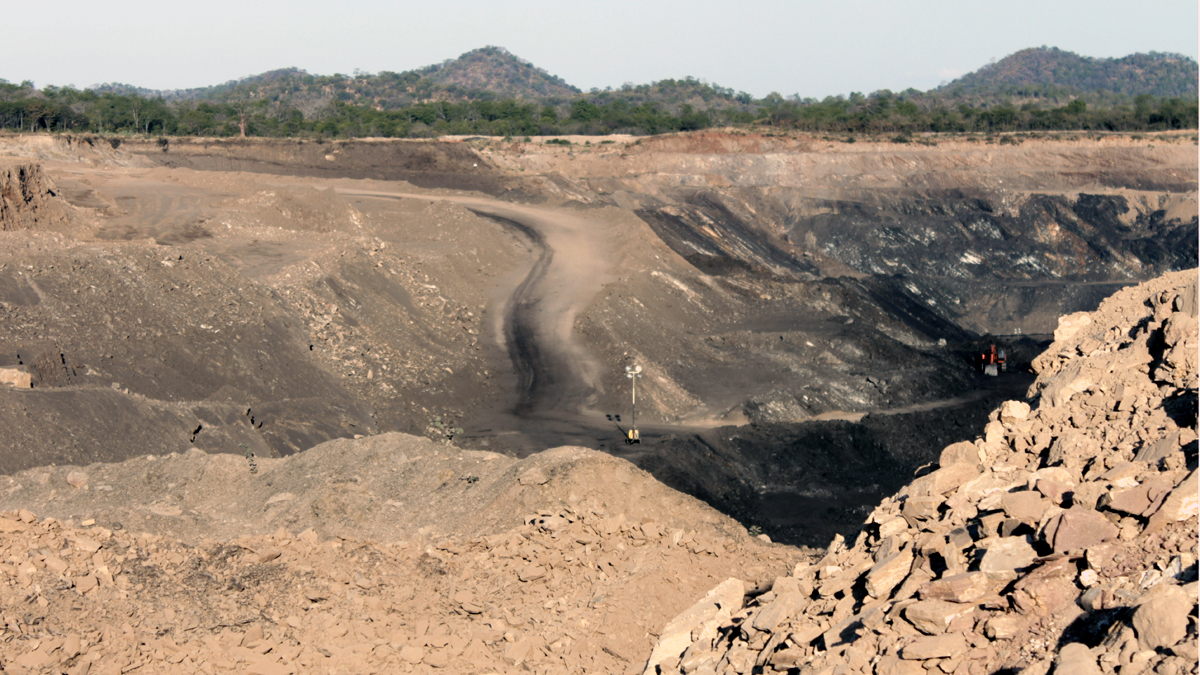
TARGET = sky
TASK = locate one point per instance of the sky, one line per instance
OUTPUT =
(809, 48)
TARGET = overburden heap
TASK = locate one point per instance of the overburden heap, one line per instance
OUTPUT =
(1065, 538)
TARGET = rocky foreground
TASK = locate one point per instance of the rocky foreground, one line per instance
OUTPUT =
(1065, 538)
(385, 554)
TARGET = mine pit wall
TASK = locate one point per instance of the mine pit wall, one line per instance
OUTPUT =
(426, 164)
(987, 260)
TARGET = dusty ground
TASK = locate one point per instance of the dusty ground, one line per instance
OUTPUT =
(385, 554)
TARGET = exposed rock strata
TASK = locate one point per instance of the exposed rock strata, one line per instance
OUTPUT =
(28, 199)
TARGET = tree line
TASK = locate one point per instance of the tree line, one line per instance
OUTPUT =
(65, 109)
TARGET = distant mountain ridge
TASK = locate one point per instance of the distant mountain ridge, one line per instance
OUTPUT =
(1049, 69)
(492, 73)
(485, 73)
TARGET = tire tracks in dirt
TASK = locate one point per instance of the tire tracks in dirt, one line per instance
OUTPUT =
(554, 371)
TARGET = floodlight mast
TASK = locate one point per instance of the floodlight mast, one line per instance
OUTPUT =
(633, 373)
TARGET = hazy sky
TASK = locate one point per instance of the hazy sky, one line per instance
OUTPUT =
(800, 47)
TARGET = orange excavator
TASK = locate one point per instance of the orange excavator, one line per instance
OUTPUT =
(994, 361)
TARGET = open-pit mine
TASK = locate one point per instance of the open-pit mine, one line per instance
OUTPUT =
(281, 406)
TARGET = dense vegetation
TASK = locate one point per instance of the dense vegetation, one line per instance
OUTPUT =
(1047, 71)
(490, 92)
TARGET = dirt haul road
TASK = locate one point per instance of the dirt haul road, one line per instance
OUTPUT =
(536, 327)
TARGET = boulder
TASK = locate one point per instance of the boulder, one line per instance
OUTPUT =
(1071, 324)
(1026, 506)
(1012, 412)
(934, 647)
(720, 602)
(888, 573)
(965, 587)
(1076, 659)
(1006, 554)
(1162, 619)
(1078, 528)
(934, 616)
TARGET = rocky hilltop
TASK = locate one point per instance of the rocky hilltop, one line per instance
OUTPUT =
(1064, 538)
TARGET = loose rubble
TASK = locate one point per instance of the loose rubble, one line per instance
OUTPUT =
(384, 554)
(1065, 538)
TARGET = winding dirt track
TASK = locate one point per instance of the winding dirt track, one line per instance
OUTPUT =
(554, 371)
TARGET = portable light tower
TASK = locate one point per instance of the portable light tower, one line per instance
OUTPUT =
(633, 372)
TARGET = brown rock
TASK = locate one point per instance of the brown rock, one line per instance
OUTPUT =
(784, 606)
(965, 587)
(1142, 500)
(888, 573)
(531, 573)
(1076, 659)
(86, 584)
(265, 555)
(517, 652)
(892, 527)
(963, 452)
(1005, 554)
(933, 616)
(1013, 411)
(1161, 621)
(917, 509)
(1050, 588)
(77, 479)
(1071, 324)
(1078, 528)
(716, 606)
(1152, 452)
(87, 544)
(1026, 506)
(934, 647)
(1052, 490)
(412, 654)
(1181, 504)
(945, 480)
(894, 665)
(1005, 626)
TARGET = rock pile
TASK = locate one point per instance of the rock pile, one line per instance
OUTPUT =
(1064, 538)
(385, 554)
(570, 590)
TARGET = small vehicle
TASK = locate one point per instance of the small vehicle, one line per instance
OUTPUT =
(994, 361)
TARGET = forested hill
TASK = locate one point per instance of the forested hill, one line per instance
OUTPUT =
(495, 70)
(489, 73)
(1048, 71)
(492, 92)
